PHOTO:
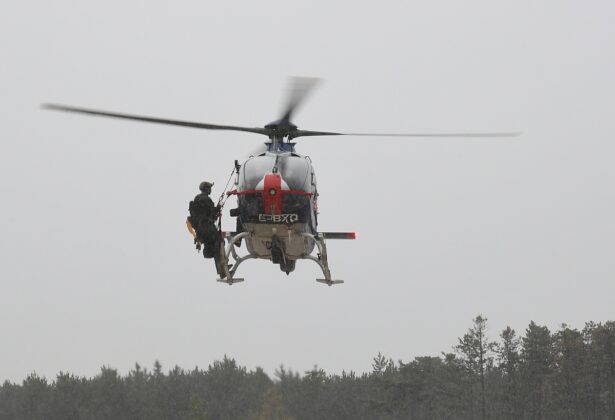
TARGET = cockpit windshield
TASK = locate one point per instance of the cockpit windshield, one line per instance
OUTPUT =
(281, 147)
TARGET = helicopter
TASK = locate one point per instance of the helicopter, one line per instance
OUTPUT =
(276, 191)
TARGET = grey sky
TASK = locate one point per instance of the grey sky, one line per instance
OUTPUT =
(97, 266)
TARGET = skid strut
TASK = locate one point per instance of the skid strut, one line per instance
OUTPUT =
(229, 272)
(322, 260)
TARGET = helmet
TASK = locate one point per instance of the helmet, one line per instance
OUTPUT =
(205, 185)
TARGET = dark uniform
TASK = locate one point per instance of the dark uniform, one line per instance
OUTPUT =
(203, 215)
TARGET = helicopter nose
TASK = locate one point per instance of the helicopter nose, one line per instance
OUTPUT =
(272, 193)
(272, 187)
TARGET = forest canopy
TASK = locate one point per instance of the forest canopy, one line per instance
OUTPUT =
(539, 374)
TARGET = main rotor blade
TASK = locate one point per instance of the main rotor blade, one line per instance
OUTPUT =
(303, 133)
(498, 134)
(57, 107)
(299, 89)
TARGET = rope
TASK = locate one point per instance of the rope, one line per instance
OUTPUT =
(222, 201)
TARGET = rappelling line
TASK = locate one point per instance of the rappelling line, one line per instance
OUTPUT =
(222, 200)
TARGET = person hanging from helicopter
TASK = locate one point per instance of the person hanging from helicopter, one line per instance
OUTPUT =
(201, 223)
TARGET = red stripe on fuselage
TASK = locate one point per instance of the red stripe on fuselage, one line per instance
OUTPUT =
(284, 192)
(272, 194)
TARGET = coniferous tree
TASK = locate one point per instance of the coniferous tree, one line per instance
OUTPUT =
(508, 359)
(570, 380)
(9, 399)
(137, 392)
(475, 350)
(600, 339)
(536, 368)
(35, 397)
(67, 397)
(380, 364)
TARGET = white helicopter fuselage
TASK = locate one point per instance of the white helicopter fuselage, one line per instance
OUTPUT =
(277, 205)
(277, 214)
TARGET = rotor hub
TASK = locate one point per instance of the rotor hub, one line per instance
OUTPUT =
(280, 129)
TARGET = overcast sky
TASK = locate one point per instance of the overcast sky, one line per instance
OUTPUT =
(97, 267)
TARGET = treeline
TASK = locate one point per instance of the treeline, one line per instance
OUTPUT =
(566, 374)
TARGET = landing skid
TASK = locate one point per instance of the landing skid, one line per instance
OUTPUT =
(330, 282)
(322, 259)
(231, 281)
(229, 271)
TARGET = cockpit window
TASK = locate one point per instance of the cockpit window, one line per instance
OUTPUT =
(284, 147)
